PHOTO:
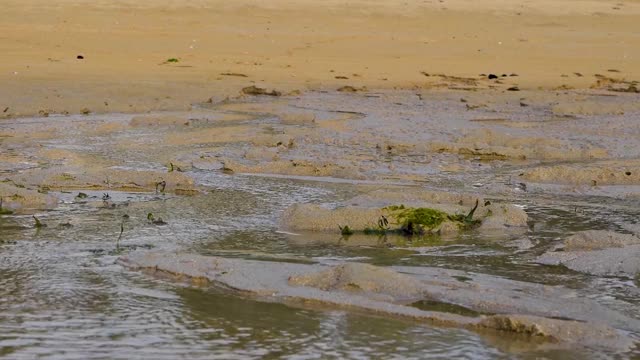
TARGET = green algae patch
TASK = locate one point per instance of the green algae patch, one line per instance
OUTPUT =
(420, 221)
(415, 221)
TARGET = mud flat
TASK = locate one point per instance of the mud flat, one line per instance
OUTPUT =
(536, 311)
(495, 147)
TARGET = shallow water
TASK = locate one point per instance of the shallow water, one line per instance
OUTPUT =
(63, 296)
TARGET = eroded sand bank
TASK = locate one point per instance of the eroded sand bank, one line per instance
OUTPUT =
(390, 291)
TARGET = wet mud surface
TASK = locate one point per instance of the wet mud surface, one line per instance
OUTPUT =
(223, 177)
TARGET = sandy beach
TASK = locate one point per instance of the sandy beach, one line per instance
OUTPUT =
(299, 45)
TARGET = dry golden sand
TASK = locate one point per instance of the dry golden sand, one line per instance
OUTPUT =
(300, 44)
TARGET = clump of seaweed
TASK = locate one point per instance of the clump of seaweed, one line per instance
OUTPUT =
(417, 221)
(420, 221)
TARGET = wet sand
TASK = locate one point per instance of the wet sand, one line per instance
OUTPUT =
(470, 142)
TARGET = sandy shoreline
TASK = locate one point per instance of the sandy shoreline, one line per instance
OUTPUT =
(299, 45)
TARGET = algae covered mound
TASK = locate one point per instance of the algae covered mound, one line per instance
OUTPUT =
(421, 220)
(348, 220)
(425, 212)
